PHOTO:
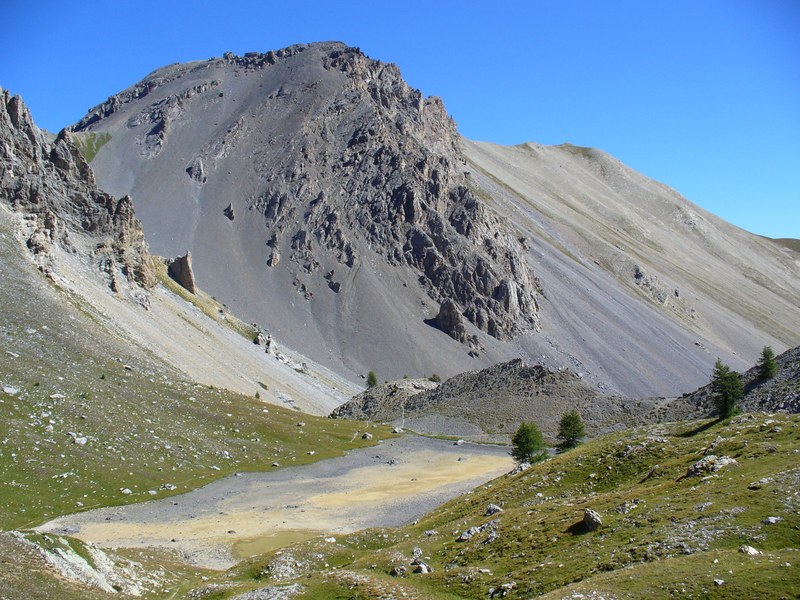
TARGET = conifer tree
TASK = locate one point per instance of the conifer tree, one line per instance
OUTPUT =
(571, 429)
(372, 379)
(727, 388)
(528, 444)
(767, 365)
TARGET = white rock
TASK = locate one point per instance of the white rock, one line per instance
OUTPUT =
(749, 550)
(492, 509)
(10, 390)
(423, 569)
(592, 519)
(126, 491)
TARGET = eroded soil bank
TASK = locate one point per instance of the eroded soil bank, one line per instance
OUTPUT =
(382, 486)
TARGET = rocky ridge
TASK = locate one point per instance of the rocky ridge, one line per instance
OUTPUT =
(52, 185)
(492, 402)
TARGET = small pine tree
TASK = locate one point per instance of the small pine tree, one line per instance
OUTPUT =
(767, 365)
(571, 429)
(528, 444)
(727, 388)
(372, 379)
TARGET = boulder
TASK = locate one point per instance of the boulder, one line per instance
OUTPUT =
(422, 568)
(592, 519)
(468, 534)
(709, 464)
(757, 485)
(196, 170)
(492, 509)
(269, 346)
(180, 270)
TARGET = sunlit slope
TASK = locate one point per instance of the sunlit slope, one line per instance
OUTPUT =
(731, 287)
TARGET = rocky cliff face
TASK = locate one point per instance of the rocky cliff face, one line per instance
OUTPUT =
(368, 162)
(53, 186)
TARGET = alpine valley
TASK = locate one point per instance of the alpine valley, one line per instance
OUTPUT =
(199, 279)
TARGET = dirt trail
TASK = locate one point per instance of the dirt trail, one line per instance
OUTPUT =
(385, 485)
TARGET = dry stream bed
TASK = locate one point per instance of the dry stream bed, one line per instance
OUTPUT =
(219, 524)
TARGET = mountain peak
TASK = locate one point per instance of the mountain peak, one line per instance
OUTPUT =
(333, 166)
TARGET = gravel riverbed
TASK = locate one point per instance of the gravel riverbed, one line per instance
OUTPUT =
(386, 485)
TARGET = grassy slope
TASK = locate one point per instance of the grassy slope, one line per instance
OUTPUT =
(145, 424)
(89, 143)
(662, 536)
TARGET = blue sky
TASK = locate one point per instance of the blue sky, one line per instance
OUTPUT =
(701, 95)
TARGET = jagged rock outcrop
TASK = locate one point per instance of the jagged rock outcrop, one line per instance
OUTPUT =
(449, 320)
(405, 192)
(53, 186)
(180, 269)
